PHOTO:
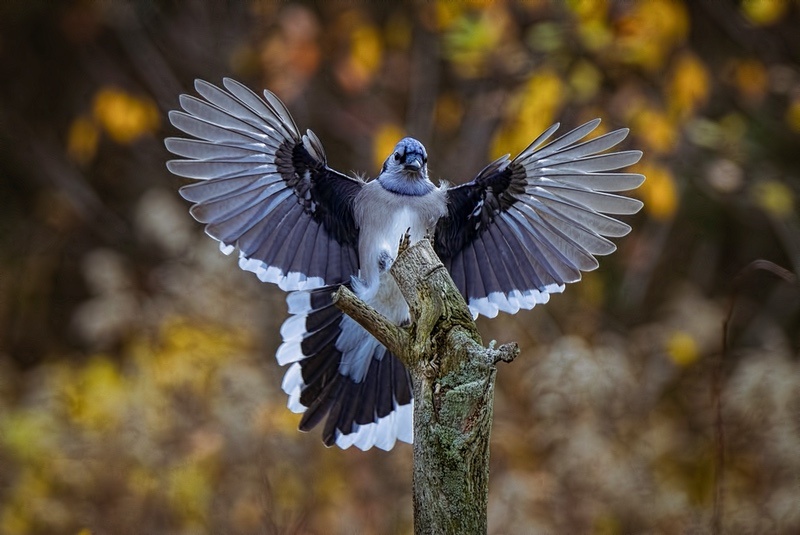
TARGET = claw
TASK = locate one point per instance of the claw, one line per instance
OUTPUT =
(405, 241)
(385, 261)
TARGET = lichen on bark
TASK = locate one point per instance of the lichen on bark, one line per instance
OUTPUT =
(453, 377)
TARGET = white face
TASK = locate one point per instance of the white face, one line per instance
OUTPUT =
(409, 159)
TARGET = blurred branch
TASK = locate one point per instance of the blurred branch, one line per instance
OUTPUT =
(717, 382)
(49, 164)
(737, 30)
(788, 232)
(479, 124)
(146, 58)
(424, 83)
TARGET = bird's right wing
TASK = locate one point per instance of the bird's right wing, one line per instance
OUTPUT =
(264, 188)
(524, 227)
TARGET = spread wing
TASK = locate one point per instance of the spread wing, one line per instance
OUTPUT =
(264, 188)
(524, 227)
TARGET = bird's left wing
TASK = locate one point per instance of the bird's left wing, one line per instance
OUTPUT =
(524, 227)
(264, 188)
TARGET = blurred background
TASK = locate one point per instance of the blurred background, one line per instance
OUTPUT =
(138, 387)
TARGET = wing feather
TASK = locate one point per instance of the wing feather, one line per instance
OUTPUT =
(260, 182)
(524, 227)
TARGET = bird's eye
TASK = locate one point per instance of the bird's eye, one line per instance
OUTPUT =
(397, 156)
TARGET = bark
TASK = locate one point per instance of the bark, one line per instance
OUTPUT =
(453, 376)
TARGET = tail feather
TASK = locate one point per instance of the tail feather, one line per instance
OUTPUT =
(342, 376)
(322, 369)
(319, 407)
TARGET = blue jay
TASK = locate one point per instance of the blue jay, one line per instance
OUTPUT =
(516, 233)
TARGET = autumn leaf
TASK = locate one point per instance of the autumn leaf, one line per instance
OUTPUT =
(659, 192)
(774, 197)
(682, 348)
(764, 12)
(751, 79)
(793, 115)
(123, 116)
(531, 111)
(689, 85)
(82, 140)
(648, 31)
(656, 129)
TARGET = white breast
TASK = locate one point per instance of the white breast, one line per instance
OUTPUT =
(383, 218)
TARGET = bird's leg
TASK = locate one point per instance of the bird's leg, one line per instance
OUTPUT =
(405, 242)
(385, 261)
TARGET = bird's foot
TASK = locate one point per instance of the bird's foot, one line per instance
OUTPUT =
(405, 242)
(385, 261)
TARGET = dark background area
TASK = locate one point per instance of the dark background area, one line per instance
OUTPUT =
(138, 388)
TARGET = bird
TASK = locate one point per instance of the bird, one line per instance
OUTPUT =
(520, 230)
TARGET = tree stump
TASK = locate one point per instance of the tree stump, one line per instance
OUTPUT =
(453, 377)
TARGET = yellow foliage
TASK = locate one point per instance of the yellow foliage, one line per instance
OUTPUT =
(14, 521)
(656, 130)
(25, 433)
(384, 140)
(530, 112)
(189, 491)
(774, 197)
(585, 80)
(365, 52)
(726, 134)
(21, 511)
(546, 37)
(82, 139)
(592, 289)
(271, 418)
(366, 49)
(751, 79)
(289, 57)
(187, 352)
(607, 524)
(588, 9)
(125, 117)
(682, 348)
(449, 111)
(659, 192)
(595, 34)
(593, 28)
(764, 12)
(793, 115)
(398, 31)
(142, 481)
(444, 14)
(472, 37)
(97, 395)
(734, 127)
(332, 482)
(649, 31)
(288, 488)
(689, 85)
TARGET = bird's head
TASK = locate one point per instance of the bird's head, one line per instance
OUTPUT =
(408, 160)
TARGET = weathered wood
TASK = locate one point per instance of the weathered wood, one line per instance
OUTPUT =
(453, 377)
(394, 338)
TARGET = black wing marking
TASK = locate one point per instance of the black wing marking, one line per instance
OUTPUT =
(360, 390)
(265, 188)
(524, 227)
